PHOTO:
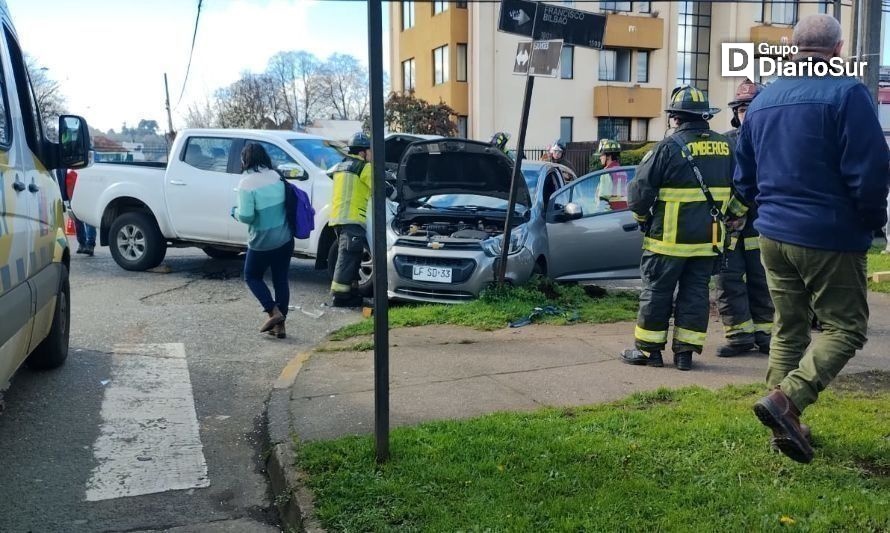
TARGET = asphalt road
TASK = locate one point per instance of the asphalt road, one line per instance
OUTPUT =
(68, 438)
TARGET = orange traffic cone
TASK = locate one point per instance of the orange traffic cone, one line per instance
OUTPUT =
(69, 226)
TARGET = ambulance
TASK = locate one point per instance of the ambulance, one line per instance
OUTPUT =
(35, 300)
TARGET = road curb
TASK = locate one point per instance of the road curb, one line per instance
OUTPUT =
(293, 499)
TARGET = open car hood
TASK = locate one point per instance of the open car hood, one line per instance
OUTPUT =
(457, 166)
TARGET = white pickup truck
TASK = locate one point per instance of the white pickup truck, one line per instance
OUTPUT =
(141, 209)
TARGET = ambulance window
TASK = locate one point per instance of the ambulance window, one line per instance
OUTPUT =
(30, 115)
(5, 132)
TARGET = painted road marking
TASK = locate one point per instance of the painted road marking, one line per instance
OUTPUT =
(149, 440)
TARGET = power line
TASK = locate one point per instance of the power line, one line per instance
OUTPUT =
(191, 52)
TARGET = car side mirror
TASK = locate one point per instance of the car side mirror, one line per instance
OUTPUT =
(293, 171)
(74, 142)
(572, 211)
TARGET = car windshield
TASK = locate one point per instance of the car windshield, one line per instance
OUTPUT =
(323, 154)
(477, 202)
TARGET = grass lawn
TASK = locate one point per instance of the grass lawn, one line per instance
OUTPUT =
(497, 307)
(878, 262)
(672, 460)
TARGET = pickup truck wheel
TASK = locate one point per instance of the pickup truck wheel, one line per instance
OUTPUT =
(137, 242)
(221, 253)
(53, 350)
(365, 272)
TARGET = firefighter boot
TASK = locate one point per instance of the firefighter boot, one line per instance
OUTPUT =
(763, 340)
(737, 345)
(640, 358)
(683, 360)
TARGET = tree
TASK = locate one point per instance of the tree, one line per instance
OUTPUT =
(251, 102)
(48, 93)
(298, 80)
(201, 116)
(345, 84)
(147, 127)
(409, 114)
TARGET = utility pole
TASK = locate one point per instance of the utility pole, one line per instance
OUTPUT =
(871, 44)
(169, 116)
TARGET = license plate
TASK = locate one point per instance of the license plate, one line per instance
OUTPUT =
(434, 274)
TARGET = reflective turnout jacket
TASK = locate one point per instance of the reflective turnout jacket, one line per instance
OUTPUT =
(353, 180)
(665, 194)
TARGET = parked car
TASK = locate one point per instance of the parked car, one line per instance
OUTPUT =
(446, 235)
(34, 255)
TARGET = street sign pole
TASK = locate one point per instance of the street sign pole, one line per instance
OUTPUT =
(517, 175)
(381, 304)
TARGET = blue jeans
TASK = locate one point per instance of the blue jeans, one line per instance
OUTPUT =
(86, 234)
(255, 266)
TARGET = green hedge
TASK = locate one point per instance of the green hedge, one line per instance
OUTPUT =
(629, 157)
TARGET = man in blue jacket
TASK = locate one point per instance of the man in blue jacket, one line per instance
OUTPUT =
(812, 155)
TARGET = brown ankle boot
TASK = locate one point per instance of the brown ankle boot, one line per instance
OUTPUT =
(777, 412)
(279, 331)
(275, 318)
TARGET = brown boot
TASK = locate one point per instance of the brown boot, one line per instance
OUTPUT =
(804, 429)
(275, 318)
(279, 331)
(777, 412)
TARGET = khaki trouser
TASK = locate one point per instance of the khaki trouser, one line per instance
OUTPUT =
(834, 285)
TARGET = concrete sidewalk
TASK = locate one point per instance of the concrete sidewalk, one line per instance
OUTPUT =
(445, 372)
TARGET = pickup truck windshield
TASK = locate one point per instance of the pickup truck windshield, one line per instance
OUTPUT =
(322, 153)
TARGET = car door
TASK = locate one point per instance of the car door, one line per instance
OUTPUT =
(201, 190)
(17, 228)
(279, 157)
(604, 243)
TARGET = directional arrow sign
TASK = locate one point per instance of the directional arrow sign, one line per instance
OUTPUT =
(517, 16)
(573, 26)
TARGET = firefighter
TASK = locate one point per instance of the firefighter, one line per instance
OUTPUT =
(353, 179)
(742, 295)
(612, 185)
(684, 229)
(499, 140)
(557, 153)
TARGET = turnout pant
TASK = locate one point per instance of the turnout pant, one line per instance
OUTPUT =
(743, 298)
(350, 244)
(662, 276)
(835, 285)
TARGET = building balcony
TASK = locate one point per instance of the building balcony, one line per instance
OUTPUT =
(629, 31)
(635, 102)
(770, 34)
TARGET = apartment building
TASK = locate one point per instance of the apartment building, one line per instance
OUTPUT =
(452, 51)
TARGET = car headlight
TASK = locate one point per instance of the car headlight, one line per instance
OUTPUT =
(493, 246)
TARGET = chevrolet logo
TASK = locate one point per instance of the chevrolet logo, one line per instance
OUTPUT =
(435, 245)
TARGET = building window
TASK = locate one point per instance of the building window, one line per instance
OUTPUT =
(644, 7)
(440, 65)
(439, 7)
(567, 62)
(779, 12)
(461, 5)
(462, 124)
(642, 66)
(642, 133)
(617, 129)
(694, 44)
(461, 62)
(407, 15)
(565, 129)
(408, 75)
(615, 65)
(615, 6)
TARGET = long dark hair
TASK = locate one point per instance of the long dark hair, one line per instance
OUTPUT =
(254, 157)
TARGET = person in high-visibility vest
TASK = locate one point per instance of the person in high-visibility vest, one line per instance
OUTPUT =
(353, 183)
(684, 232)
(743, 299)
(612, 185)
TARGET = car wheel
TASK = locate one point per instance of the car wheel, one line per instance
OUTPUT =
(136, 241)
(53, 350)
(365, 272)
(221, 253)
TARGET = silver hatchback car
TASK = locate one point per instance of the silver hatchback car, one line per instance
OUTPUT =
(446, 237)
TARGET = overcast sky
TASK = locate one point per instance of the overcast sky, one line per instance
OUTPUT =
(111, 55)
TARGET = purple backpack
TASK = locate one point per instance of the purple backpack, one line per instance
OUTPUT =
(298, 210)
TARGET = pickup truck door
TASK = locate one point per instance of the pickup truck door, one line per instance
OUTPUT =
(279, 157)
(605, 242)
(200, 188)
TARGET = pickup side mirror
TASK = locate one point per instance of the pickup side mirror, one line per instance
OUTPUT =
(74, 142)
(293, 171)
